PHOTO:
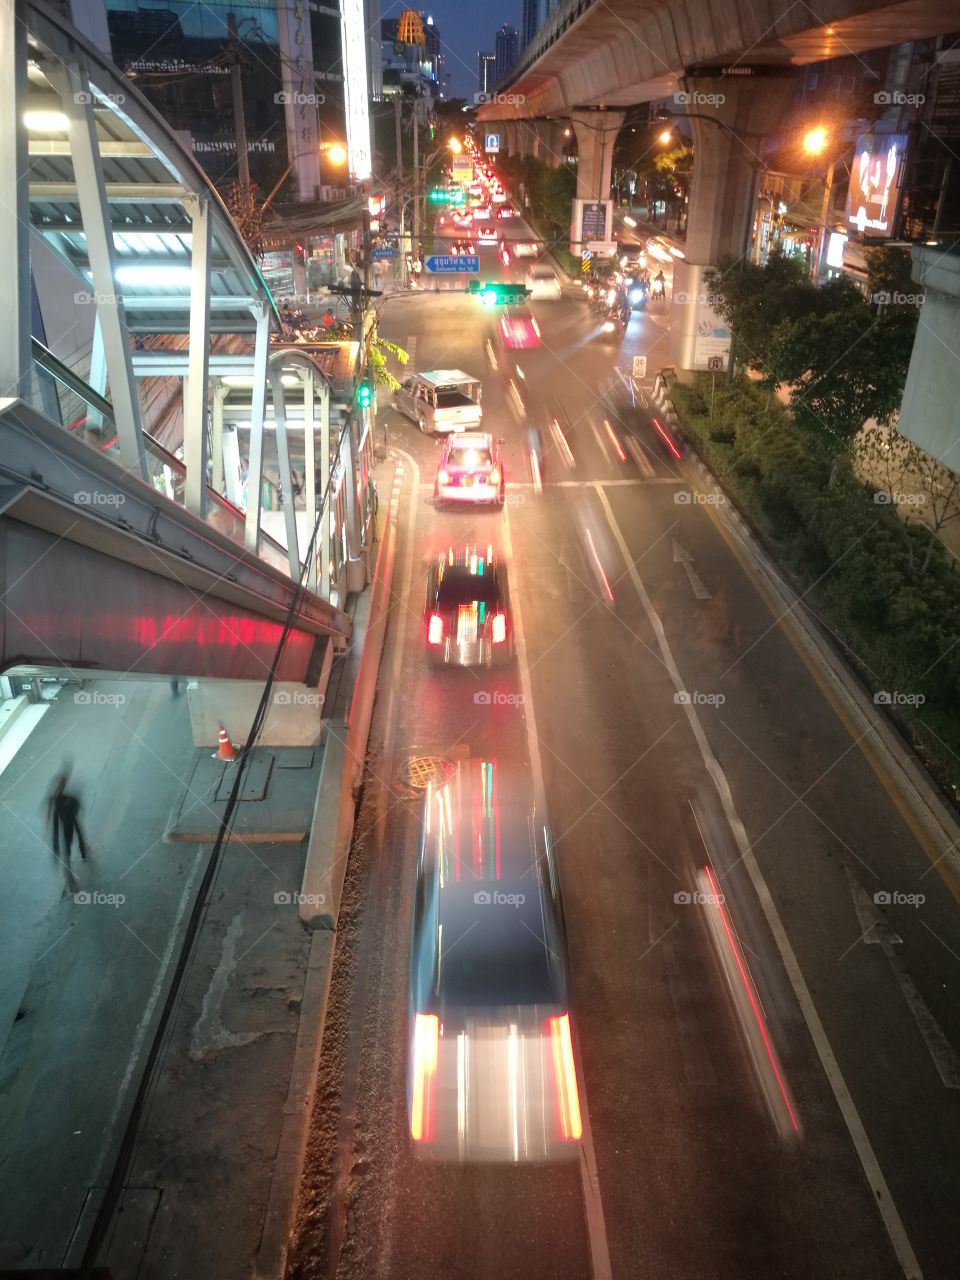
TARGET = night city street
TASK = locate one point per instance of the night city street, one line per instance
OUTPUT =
(480, 684)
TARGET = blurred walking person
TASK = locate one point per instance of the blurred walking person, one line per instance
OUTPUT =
(63, 814)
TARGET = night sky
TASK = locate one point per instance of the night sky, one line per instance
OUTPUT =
(464, 29)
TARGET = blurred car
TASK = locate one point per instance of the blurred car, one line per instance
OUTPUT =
(481, 213)
(462, 247)
(470, 470)
(543, 282)
(526, 249)
(462, 220)
(491, 1071)
(467, 611)
(504, 255)
(518, 329)
(488, 235)
(506, 211)
(499, 195)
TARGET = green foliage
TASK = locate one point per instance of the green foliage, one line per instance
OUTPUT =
(885, 587)
(377, 367)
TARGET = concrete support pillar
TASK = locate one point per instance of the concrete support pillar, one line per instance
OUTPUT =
(730, 119)
(928, 413)
(596, 135)
(552, 141)
(509, 137)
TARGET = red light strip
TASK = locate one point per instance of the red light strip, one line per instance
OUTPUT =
(666, 439)
(616, 443)
(751, 994)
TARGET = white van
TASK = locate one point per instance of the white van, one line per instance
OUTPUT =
(441, 401)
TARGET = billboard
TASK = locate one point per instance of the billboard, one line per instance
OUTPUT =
(876, 177)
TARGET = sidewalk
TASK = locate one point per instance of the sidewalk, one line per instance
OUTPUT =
(214, 1177)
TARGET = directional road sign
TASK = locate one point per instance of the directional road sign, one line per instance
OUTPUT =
(381, 251)
(458, 262)
(491, 142)
(639, 366)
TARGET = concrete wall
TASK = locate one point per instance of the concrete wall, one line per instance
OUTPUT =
(928, 413)
(294, 719)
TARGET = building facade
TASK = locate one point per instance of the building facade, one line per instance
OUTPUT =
(507, 50)
(486, 71)
(291, 67)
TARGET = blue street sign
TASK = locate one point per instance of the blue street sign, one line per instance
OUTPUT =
(381, 251)
(492, 142)
(459, 262)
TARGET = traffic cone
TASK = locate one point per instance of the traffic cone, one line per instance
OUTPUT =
(224, 749)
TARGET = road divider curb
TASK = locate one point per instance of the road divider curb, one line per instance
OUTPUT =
(345, 750)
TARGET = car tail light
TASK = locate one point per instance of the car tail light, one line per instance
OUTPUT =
(435, 629)
(494, 476)
(443, 476)
(499, 628)
(568, 1098)
(426, 1041)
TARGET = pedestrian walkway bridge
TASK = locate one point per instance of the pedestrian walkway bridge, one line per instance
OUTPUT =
(162, 466)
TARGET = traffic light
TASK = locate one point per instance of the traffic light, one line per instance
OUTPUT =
(364, 395)
(439, 195)
(498, 295)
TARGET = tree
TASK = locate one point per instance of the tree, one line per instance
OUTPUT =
(844, 366)
(247, 212)
(755, 300)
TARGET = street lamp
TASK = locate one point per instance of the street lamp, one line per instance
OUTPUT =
(455, 145)
(814, 141)
(665, 137)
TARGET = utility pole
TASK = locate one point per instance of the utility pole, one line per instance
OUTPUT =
(821, 251)
(416, 177)
(239, 123)
(401, 197)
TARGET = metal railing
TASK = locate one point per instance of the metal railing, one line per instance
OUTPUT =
(62, 396)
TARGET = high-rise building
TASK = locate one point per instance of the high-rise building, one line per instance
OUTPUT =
(407, 64)
(508, 50)
(486, 74)
(432, 40)
(533, 17)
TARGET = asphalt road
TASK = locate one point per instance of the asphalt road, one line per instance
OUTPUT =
(771, 1078)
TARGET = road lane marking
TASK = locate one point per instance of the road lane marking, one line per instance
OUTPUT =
(892, 1221)
(682, 556)
(593, 1203)
(875, 930)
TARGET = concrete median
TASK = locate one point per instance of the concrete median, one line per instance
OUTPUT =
(346, 746)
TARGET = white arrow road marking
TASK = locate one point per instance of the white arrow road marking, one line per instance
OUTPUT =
(680, 556)
(876, 931)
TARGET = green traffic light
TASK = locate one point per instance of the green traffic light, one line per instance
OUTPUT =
(364, 395)
(489, 297)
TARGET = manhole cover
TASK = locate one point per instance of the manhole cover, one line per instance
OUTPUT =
(420, 771)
